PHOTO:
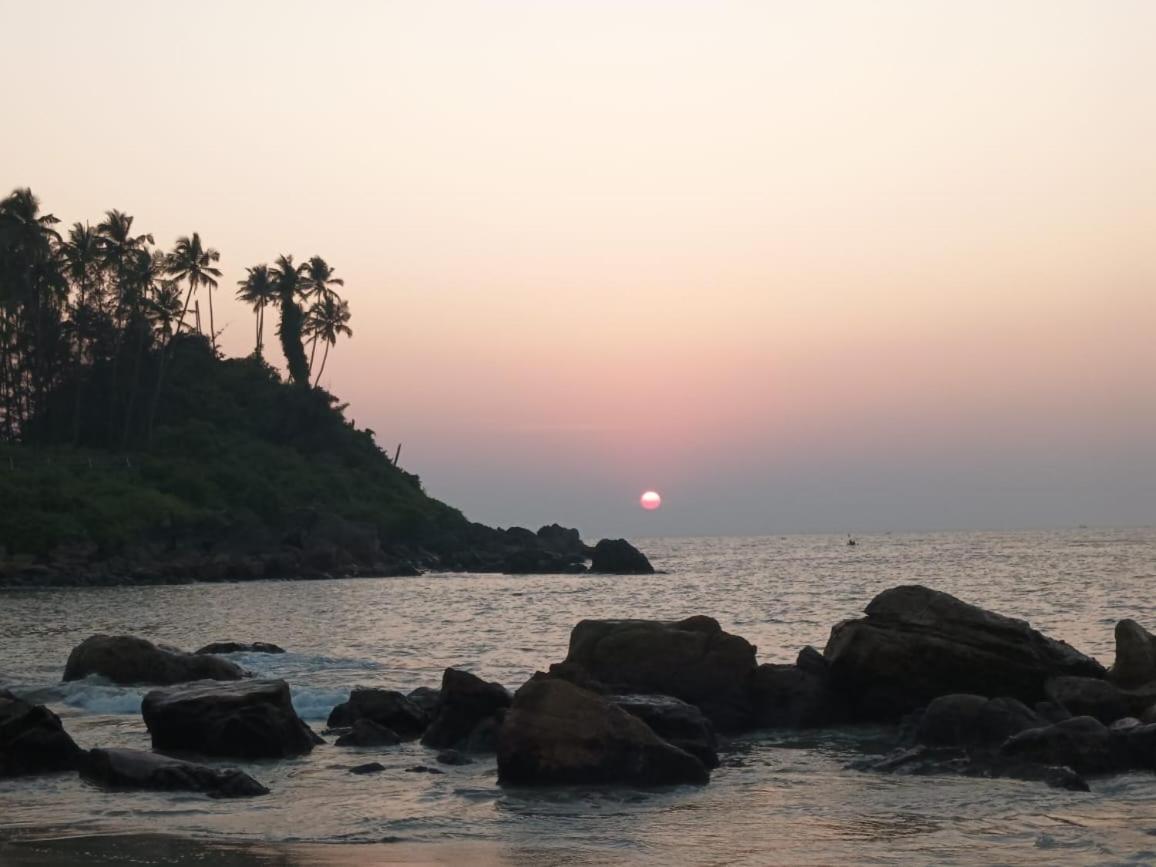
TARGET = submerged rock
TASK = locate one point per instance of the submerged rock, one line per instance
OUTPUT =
(367, 768)
(692, 659)
(254, 719)
(33, 740)
(559, 734)
(125, 659)
(136, 769)
(239, 647)
(619, 557)
(916, 644)
(367, 733)
(467, 701)
(385, 707)
(923, 760)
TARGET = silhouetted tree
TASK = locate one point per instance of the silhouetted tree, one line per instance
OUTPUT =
(258, 291)
(291, 284)
(328, 318)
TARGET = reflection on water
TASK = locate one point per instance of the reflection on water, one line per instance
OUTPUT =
(777, 798)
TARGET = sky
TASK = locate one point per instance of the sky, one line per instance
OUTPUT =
(832, 266)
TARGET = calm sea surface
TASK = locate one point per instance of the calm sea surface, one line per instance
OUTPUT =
(778, 798)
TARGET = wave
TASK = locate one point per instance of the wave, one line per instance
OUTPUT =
(315, 703)
(93, 694)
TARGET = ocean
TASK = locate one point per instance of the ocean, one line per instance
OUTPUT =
(778, 797)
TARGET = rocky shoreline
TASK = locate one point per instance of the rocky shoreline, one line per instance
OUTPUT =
(324, 546)
(647, 703)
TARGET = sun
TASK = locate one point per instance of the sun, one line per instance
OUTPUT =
(650, 501)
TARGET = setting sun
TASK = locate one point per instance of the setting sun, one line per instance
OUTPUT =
(650, 500)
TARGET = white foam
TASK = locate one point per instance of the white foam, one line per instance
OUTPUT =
(315, 703)
(93, 694)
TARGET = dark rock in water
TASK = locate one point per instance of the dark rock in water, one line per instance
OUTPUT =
(563, 539)
(367, 768)
(254, 719)
(1088, 696)
(367, 733)
(427, 699)
(812, 661)
(1135, 663)
(559, 734)
(676, 722)
(466, 700)
(32, 740)
(619, 557)
(238, 647)
(533, 561)
(126, 659)
(422, 769)
(936, 761)
(136, 769)
(1050, 712)
(691, 659)
(916, 644)
(483, 737)
(1082, 743)
(385, 707)
(973, 720)
(453, 757)
(795, 696)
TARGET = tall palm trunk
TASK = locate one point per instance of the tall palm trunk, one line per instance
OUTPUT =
(324, 358)
(212, 328)
(79, 364)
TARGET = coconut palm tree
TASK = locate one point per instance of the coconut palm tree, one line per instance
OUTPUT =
(192, 262)
(80, 258)
(258, 290)
(291, 283)
(121, 252)
(321, 282)
(164, 308)
(328, 318)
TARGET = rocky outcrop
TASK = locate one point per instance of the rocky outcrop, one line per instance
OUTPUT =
(916, 644)
(1135, 663)
(1082, 743)
(796, 696)
(676, 722)
(32, 740)
(385, 707)
(619, 557)
(973, 721)
(559, 734)
(136, 769)
(367, 733)
(467, 703)
(240, 647)
(253, 719)
(692, 659)
(125, 659)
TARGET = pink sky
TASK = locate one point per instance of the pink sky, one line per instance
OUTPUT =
(842, 266)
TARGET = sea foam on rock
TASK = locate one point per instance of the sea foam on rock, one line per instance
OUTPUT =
(916, 644)
(252, 719)
(557, 733)
(126, 659)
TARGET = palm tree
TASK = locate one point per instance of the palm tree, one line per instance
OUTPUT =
(121, 251)
(321, 282)
(164, 308)
(328, 318)
(190, 261)
(291, 283)
(258, 290)
(80, 257)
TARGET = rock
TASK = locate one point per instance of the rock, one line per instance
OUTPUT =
(792, 696)
(691, 659)
(33, 740)
(619, 557)
(1082, 743)
(564, 540)
(125, 659)
(483, 737)
(973, 720)
(1088, 696)
(238, 647)
(367, 733)
(923, 760)
(422, 769)
(560, 734)
(136, 769)
(367, 768)
(676, 722)
(1050, 712)
(466, 700)
(427, 699)
(916, 644)
(254, 719)
(385, 707)
(1135, 663)
(453, 757)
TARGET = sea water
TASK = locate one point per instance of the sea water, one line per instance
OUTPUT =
(778, 797)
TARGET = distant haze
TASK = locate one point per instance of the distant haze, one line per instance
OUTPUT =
(796, 266)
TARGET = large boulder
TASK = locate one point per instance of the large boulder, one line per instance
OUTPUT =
(1082, 743)
(253, 719)
(125, 659)
(240, 647)
(691, 659)
(467, 702)
(386, 707)
(1135, 663)
(973, 721)
(619, 557)
(916, 644)
(136, 769)
(796, 696)
(676, 722)
(1089, 696)
(32, 740)
(557, 733)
